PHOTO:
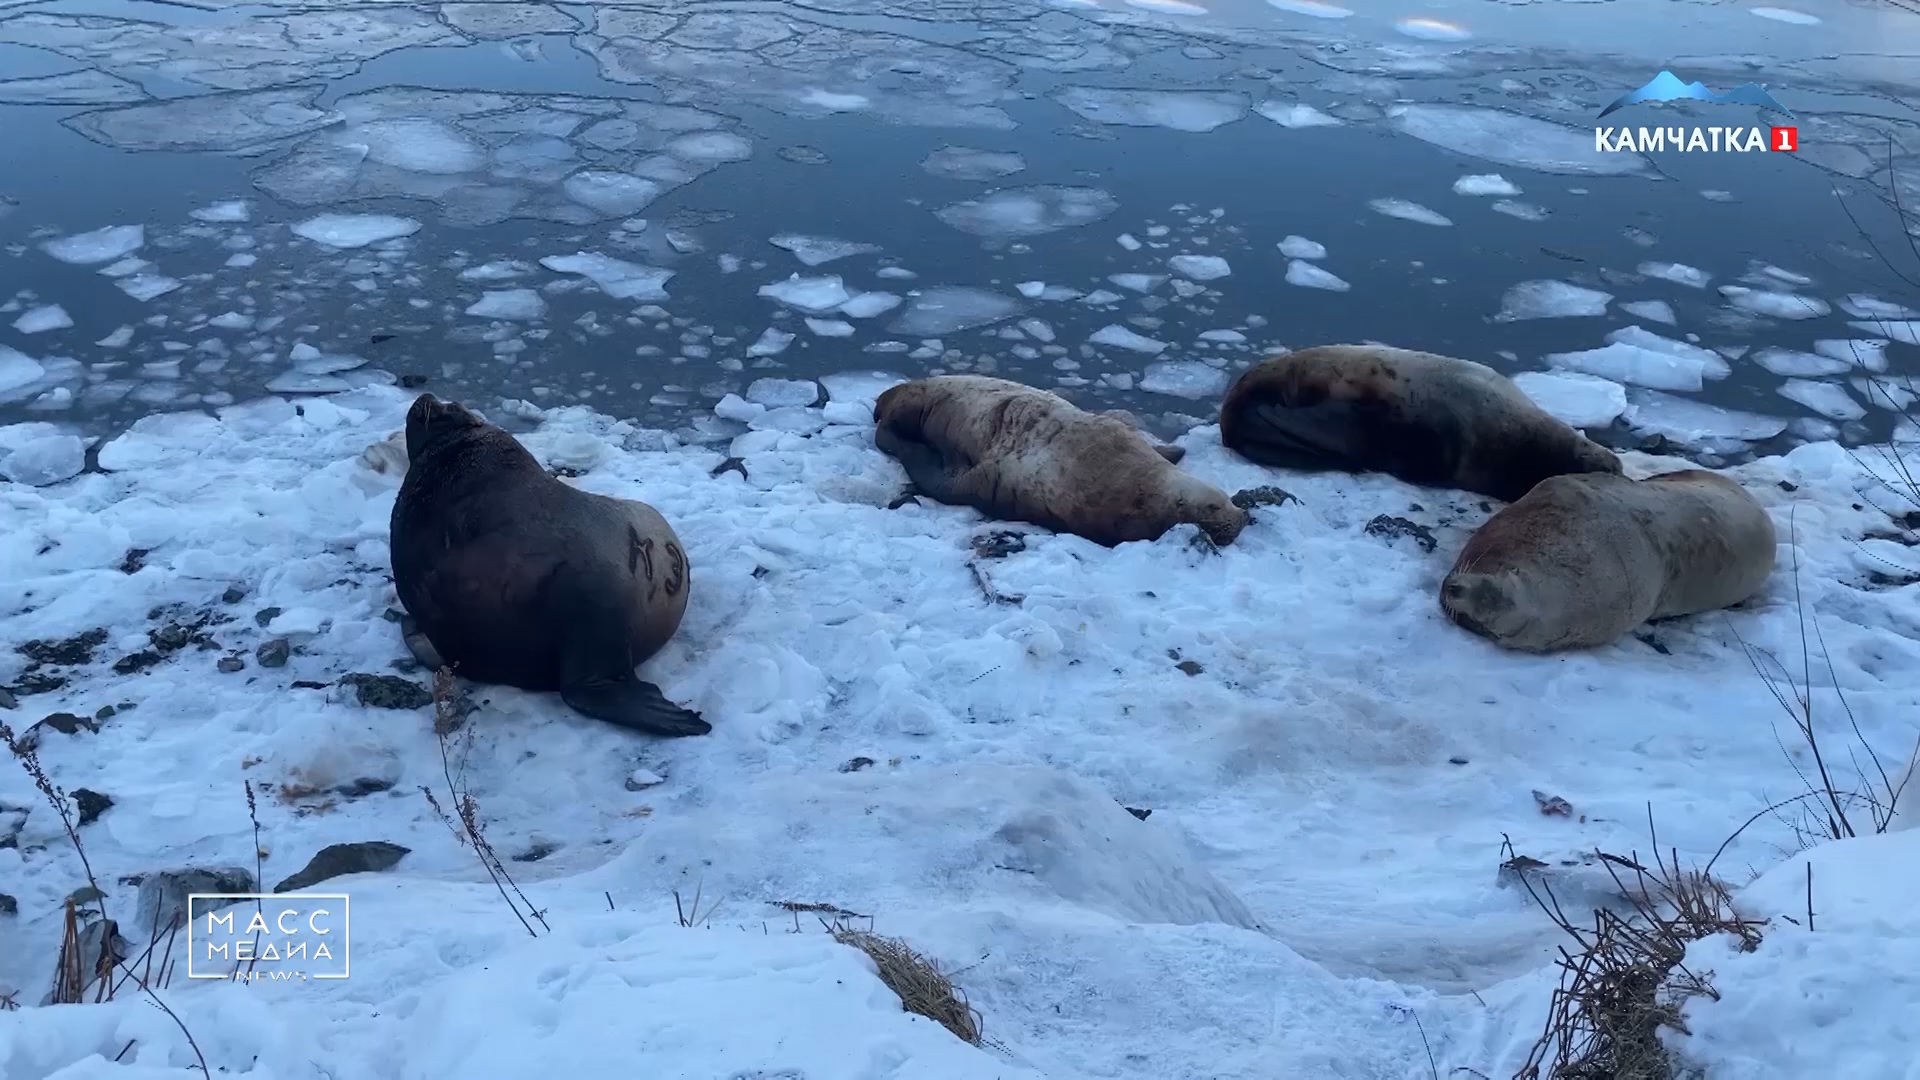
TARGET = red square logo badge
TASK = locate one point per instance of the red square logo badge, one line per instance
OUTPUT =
(1785, 139)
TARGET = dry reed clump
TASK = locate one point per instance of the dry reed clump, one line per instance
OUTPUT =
(923, 988)
(1626, 977)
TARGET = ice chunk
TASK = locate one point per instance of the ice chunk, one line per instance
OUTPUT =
(1869, 353)
(98, 246)
(1862, 306)
(1678, 273)
(1140, 283)
(1183, 378)
(1512, 139)
(771, 342)
(783, 393)
(1029, 211)
(830, 327)
(1484, 184)
(1181, 110)
(118, 339)
(39, 320)
(1778, 305)
(1408, 211)
(966, 163)
(1229, 337)
(859, 387)
(1523, 211)
(1032, 290)
(1128, 242)
(1317, 9)
(1696, 424)
(815, 250)
(1200, 267)
(1830, 400)
(1551, 300)
(1120, 337)
(417, 144)
(1888, 394)
(229, 212)
(144, 287)
(1907, 333)
(1308, 276)
(133, 264)
(307, 382)
(1037, 330)
(868, 304)
(1299, 247)
(1652, 310)
(1713, 366)
(710, 147)
(500, 270)
(946, 309)
(37, 454)
(1661, 369)
(734, 407)
(520, 305)
(17, 369)
(354, 230)
(617, 278)
(1797, 364)
(817, 295)
(1575, 398)
(88, 86)
(611, 194)
(1296, 115)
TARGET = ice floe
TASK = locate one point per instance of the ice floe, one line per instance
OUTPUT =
(1200, 267)
(967, 163)
(1484, 184)
(1508, 138)
(1575, 397)
(1652, 310)
(97, 246)
(1406, 210)
(817, 250)
(1640, 358)
(1181, 110)
(946, 309)
(617, 278)
(521, 305)
(1698, 425)
(1297, 115)
(814, 295)
(1775, 304)
(1677, 273)
(1309, 276)
(1549, 299)
(354, 230)
(41, 319)
(1830, 400)
(1183, 379)
(1299, 247)
(1029, 211)
(1119, 337)
(1429, 29)
(1317, 9)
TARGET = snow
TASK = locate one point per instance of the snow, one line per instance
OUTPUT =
(39, 320)
(1582, 400)
(98, 246)
(1200, 267)
(354, 230)
(1678, 273)
(947, 309)
(1299, 247)
(1307, 275)
(1484, 184)
(618, 278)
(1549, 299)
(1408, 211)
(522, 305)
(1328, 791)
(815, 250)
(1183, 378)
(1028, 211)
(1507, 138)
(1830, 400)
(1193, 111)
(1116, 336)
(1775, 304)
(1296, 115)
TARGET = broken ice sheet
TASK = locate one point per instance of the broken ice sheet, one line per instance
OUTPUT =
(1200, 267)
(97, 246)
(229, 212)
(1574, 398)
(144, 287)
(1296, 115)
(1830, 400)
(84, 87)
(520, 305)
(1640, 358)
(966, 163)
(39, 320)
(1181, 110)
(946, 309)
(1308, 276)
(813, 295)
(499, 21)
(345, 231)
(617, 278)
(1551, 300)
(1183, 378)
(816, 250)
(1778, 305)
(1028, 211)
(1512, 139)
(1698, 425)
(1119, 337)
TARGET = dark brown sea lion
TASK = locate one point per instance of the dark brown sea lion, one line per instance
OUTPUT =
(513, 577)
(1020, 454)
(1581, 560)
(1428, 419)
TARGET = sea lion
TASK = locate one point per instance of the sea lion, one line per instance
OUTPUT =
(516, 578)
(1582, 559)
(1428, 419)
(1017, 453)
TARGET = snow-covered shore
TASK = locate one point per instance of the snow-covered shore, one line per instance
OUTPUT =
(945, 741)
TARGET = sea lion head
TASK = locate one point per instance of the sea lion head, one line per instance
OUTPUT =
(1591, 457)
(432, 422)
(1498, 605)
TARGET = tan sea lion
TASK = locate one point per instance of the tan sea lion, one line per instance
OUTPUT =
(1428, 419)
(516, 578)
(1581, 560)
(1016, 453)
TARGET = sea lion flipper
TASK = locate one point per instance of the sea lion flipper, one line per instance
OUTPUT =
(422, 649)
(634, 704)
(927, 469)
(1173, 454)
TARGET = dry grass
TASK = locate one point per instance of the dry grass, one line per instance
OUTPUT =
(923, 988)
(1625, 976)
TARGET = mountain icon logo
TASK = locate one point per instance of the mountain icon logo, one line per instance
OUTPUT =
(1667, 86)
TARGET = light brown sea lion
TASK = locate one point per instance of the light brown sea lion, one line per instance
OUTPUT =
(516, 578)
(1016, 453)
(1581, 560)
(1428, 419)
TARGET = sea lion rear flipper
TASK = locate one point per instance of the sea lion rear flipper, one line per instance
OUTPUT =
(633, 704)
(926, 468)
(423, 651)
(1172, 453)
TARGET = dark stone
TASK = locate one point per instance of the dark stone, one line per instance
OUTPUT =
(1388, 528)
(363, 787)
(66, 652)
(234, 594)
(1645, 637)
(308, 684)
(104, 712)
(388, 691)
(856, 764)
(62, 722)
(265, 615)
(139, 661)
(903, 499)
(230, 664)
(536, 853)
(35, 681)
(1264, 495)
(136, 558)
(1191, 667)
(8, 905)
(1456, 760)
(413, 381)
(7, 700)
(337, 860)
(273, 653)
(163, 894)
(998, 545)
(1141, 814)
(381, 338)
(732, 464)
(1788, 485)
(92, 804)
